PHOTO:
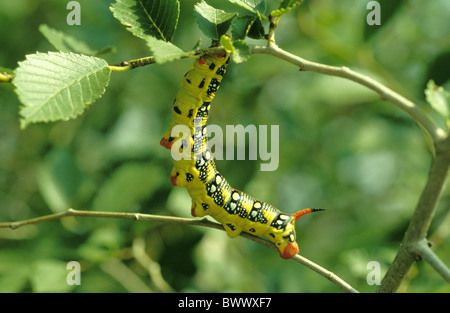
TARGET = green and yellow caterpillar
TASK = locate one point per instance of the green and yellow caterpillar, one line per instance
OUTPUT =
(210, 192)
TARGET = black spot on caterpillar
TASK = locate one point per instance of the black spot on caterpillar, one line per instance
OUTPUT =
(210, 192)
(176, 109)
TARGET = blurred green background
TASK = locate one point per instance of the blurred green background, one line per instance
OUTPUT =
(341, 148)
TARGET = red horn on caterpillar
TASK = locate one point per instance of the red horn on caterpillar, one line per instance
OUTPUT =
(300, 213)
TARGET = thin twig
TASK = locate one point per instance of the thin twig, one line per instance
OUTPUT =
(325, 273)
(153, 268)
(129, 65)
(180, 220)
(149, 60)
(125, 276)
(423, 250)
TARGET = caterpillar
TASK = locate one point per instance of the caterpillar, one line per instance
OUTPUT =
(210, 192)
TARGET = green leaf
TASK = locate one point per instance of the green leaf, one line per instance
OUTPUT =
(240, 26)
(439, 99)
(165, 51)
(242, 51)
(227, 43)
(239, 49)
(256, 29)
(67, 43)
(58, 86)
(129, 184)
(251, 5)
(144, 18)
(285, 6)
(212, 22)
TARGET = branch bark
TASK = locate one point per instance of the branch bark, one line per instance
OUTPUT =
(180, 220)
(411, 247)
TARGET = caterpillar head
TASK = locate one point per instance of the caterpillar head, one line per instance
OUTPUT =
(285, 241)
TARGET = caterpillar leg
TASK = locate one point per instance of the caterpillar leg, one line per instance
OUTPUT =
(289, 250)
(193, 209)
(167, 140)
(174, 177)
(232, 229)
(180, 178)
(199, 209)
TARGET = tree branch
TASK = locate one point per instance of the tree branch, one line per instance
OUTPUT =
(180, 220)
(423, 249)
(385, 93)
(411, 247)
(436, 133)
(420, 222)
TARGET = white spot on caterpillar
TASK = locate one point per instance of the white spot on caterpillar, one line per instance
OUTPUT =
(235, 196)
(257, 205)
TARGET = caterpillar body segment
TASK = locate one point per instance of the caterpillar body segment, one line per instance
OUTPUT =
(198, 88)
(210, 192)
(238, 211)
